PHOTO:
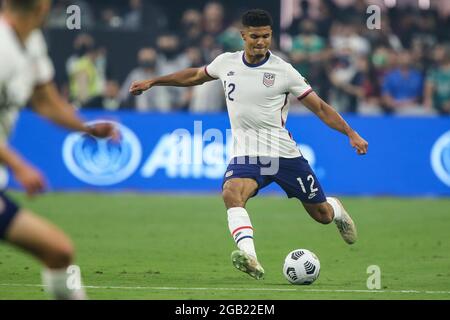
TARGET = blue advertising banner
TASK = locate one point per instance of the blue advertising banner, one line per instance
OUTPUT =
(407, 156)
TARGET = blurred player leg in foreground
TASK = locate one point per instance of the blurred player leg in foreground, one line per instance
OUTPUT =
(52, 247)
(26, 74)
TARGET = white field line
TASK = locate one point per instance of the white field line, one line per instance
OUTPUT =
(241, 289)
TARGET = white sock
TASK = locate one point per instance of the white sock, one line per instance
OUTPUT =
(58, 283)
(336, 208)
(241, 230)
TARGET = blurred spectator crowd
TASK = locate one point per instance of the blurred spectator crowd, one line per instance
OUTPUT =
(401, 68)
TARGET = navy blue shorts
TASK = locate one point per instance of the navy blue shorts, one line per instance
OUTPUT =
(8, 210)
(293, 175)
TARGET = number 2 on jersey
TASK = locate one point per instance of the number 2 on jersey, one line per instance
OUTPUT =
(311, 186)
(231, 87)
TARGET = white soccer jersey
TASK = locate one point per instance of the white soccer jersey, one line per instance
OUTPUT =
(257, 102)
(22, 67)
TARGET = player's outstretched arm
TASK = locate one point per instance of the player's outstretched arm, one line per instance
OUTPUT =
(47, 102)
(334, 120)
(184, 78)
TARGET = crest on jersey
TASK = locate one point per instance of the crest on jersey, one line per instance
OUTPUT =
(268, 79)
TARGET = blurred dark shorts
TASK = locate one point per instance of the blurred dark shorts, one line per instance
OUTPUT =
(8, 210)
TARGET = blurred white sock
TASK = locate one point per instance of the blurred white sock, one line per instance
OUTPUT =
(63, 285)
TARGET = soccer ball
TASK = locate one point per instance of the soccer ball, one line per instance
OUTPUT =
(301, 266)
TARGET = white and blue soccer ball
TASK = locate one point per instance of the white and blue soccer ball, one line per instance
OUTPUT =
(301, 266)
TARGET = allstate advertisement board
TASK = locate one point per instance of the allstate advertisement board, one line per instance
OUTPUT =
(179, 152)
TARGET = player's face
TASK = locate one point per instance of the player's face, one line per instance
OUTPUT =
(257, 40)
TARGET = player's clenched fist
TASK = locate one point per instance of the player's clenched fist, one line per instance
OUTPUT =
(138, 87)
(103, 130)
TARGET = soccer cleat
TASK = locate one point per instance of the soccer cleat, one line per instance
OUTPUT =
(246, 263)
(346, 227)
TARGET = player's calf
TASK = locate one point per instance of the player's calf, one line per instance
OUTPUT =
(333, 210)
(321, 212)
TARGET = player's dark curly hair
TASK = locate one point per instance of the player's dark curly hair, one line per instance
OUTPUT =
(257, 18)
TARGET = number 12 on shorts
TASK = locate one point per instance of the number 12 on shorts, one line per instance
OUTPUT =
(311, 185)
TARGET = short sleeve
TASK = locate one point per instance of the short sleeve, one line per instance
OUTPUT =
(214, 68)
(296, 83)
(44, 66)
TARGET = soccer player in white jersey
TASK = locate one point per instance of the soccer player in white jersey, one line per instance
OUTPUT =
(26, 73)
(257, 84)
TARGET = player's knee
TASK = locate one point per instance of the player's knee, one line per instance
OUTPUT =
(60, 256)
(232, 198)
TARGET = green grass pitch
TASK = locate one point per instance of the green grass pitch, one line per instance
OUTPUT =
(137, 246)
